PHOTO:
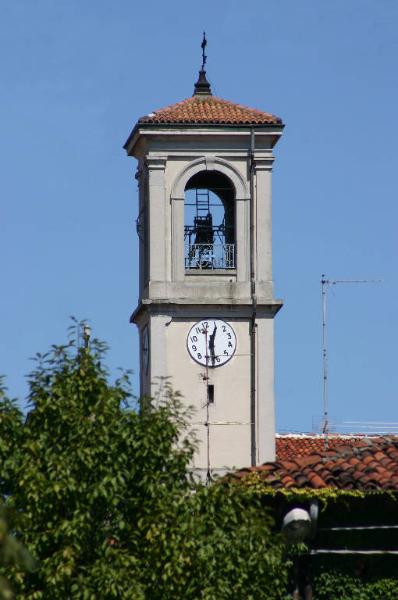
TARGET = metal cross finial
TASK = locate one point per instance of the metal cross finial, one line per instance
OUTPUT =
(202, 86)
(203, 46)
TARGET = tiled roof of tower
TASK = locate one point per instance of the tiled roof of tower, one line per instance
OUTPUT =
(210, 110)
(370, 465)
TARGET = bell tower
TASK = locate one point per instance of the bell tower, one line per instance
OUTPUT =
(206, 303)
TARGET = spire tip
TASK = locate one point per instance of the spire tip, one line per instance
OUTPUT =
(202, 86)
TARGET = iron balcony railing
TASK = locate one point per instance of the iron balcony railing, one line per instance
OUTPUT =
(210, 256)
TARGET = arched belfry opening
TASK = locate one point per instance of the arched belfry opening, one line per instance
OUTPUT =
(209, 222)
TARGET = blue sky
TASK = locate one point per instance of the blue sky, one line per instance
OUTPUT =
(75, 78)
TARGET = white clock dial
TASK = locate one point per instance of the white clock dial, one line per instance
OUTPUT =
(211, 342)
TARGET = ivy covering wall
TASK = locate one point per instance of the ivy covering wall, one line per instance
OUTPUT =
(353, 578)
(346, 576)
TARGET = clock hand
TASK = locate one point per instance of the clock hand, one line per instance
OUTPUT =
(211, 345)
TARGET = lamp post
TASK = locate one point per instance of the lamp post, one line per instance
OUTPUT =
(298, 525)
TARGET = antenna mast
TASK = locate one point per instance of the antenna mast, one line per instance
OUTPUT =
(325, 424)
(324, 289)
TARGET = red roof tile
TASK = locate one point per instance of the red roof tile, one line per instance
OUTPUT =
(358, 463)
(210, 110)
(292, 446)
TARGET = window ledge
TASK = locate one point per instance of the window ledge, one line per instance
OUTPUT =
(210, 272)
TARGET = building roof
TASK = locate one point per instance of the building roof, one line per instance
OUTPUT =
(369, 464)
(292, 446)
(208, 109)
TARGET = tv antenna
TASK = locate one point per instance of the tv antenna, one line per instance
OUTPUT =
(325, 283)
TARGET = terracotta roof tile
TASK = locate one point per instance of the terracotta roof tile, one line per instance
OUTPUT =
(345, 466)
(265, 467)
(289, 465)
(316, 481)
(379, 456)
(356, 464)
(301, 480)
(210, 110)
(308, 460)
(288, 481)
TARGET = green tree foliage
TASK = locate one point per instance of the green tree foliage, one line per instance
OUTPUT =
(12, 554)
(332, 583)
(102, 499)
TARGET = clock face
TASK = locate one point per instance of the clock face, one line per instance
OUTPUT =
(211, 342)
